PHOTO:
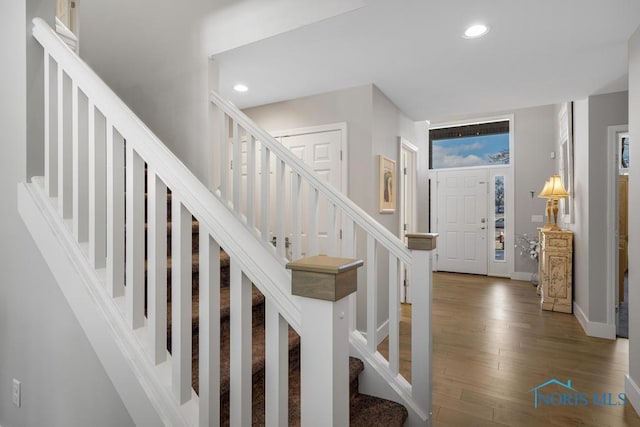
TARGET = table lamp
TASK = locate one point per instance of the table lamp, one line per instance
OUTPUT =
(552, 191)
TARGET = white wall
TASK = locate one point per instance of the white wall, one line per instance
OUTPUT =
(534, 140)
(151, 53)
(634, 212)
(42, 344)
(580, 227)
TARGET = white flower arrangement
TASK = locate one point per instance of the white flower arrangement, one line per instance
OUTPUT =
(528, 246)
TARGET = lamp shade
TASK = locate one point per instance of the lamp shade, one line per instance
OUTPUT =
(546, 190)
(556, 189)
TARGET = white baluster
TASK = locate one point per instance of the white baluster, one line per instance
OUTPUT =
(115, 213)
(209, 330)
(333, 229)
(237, 166)
(264, 196)
(157, 266)
(276, 367)
(240, 353)
(224, 156)
(349, 250)
(134, 291)
(65, 191)
(296, 242)
(180, 299)
(312, 237)
(372, 294)
(394, 316)
(97, 188)
(280, 241)
(251, 181)
(80, 213)
(50, 129)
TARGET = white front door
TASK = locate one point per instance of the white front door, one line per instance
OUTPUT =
(462, 220)
(321, 151)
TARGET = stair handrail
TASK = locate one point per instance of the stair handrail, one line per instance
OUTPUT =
(196, 196)
(355, 212)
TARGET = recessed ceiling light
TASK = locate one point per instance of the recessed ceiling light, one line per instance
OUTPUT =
(240, 88)
(475, 31)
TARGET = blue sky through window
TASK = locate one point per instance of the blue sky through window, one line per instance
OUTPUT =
(470, 151)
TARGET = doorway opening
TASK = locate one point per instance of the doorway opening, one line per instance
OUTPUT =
(471, 196)
(617, 226)
(408, 174)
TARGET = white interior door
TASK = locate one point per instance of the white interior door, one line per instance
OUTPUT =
(462, 220)
(321, 151)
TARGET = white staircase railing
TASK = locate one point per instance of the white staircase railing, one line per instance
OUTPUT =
(90, 135)
(292, 203)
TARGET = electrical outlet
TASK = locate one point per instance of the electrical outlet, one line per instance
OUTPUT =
(16, 392)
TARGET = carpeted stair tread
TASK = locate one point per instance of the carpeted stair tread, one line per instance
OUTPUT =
(367, 411)
(225, 307)
(258, 359)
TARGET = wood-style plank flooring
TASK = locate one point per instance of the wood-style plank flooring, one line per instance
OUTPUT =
(492, 344)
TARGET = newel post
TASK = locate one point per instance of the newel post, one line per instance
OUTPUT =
(421, 246)
(324, 282)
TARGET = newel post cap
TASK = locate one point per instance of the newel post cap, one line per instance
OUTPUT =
(324, 277)
(422, 241)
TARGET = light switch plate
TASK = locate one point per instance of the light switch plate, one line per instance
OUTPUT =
(537, 218)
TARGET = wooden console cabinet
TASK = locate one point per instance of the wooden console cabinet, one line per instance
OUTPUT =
(555, 270)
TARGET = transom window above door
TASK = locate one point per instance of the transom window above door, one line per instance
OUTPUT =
(483, 144)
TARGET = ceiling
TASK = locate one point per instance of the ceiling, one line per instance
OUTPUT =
(537, 52)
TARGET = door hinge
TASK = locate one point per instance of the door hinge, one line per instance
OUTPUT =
(73, 5)
(231, 164)
(405, 227)
(340, 155)
(405, 171)
(341, 234)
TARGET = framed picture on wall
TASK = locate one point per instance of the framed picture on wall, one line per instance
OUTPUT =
(387, 186)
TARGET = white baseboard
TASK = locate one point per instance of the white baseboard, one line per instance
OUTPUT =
(525, 276)
(594, 329)
(632, 391)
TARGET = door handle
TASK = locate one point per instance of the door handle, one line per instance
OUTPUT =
(483, 227)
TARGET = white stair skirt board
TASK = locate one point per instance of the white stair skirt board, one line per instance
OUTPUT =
(632, 391)
(381, 333)
(594, 329)
(380, 383)
(139, 385)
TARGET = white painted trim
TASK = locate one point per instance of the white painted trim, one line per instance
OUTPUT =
(342, 127)
(632, 391)
(594, 329)
(349, 208)
(377, 380)
(142, 391)
(381, 333)
(404, 144)
(524, 276)
(611, 240)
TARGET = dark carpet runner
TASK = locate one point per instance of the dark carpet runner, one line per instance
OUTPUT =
(365, 410)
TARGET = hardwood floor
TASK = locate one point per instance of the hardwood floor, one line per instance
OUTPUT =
(492, 344)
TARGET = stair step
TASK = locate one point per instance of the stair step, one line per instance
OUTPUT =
(366, 411)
